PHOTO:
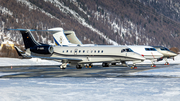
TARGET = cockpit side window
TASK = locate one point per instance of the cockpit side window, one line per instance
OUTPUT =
(153, 49)
(126, 50)
(167, 49)
(123, 50)
(147, 49)
(150, 49)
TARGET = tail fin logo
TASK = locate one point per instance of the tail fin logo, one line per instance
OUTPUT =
(61, 39)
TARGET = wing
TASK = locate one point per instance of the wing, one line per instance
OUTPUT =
(56, 58)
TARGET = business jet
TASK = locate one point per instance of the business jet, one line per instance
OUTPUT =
(148, 52)
(75, 55)
(166, 53)
(69, 38)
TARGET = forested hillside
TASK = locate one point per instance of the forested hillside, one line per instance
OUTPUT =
(124, 22)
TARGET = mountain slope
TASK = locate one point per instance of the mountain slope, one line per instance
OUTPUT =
(128, 22)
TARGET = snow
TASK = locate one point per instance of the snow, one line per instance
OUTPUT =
(161, 84)
(34, 7)
(5, 10)
(90, 89)
(25, 62)
(7, 42)
(81, 20)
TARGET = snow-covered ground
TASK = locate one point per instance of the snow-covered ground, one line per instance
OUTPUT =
(25, 62)
(161, 84)
(98, 89)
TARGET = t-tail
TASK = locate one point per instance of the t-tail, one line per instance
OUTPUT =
(32, 45)
(59, 36)
(29, 40)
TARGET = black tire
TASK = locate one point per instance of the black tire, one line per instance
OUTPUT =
(105, 64)
(78, 66)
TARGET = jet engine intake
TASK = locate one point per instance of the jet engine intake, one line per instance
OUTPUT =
(42, 49)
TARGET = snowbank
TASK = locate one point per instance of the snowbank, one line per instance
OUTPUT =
(25, 62)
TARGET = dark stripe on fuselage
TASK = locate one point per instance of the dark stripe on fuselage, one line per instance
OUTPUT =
(93, 56)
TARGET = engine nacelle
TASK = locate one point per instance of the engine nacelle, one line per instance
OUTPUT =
(42, 49)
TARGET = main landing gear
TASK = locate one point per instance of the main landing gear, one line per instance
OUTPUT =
(104, 64)
(167, 63)
(90, 65)
(153, 65)
(63, 66)
(79, 66)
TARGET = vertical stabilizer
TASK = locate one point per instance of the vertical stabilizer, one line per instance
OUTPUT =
(71, 36)
(29, 40)
(59, 36)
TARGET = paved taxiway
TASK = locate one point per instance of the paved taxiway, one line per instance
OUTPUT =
(54, 71)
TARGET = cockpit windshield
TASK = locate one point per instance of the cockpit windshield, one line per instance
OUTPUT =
(126, 50)
(164, 49)
(150, 49)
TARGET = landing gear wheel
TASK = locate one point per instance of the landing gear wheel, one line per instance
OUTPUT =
(153, 65)
(167, 63)
(78, 66)
(90, 65)
(63, 66)
(113, 64)
(134, 67)
(105, 64)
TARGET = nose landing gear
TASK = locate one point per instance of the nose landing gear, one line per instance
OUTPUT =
(134, 66)
(167, 63)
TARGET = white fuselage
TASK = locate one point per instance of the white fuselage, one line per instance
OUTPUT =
(92, 54)
(166, 52)
(70, 39)
(148, 52)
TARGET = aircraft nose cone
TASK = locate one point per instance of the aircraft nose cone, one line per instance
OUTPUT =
(174, 54)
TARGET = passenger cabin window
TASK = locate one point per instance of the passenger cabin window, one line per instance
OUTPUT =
(79, 51)
(71, 51)
(83, 51)
(63, 51)
(95, 51)
(67, 51)
(102, 51)
(98, 51)
(150, 49)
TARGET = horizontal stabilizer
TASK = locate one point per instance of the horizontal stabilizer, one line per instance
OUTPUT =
(33, 30)
(21, 53)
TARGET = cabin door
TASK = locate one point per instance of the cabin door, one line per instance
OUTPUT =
(75, 51)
